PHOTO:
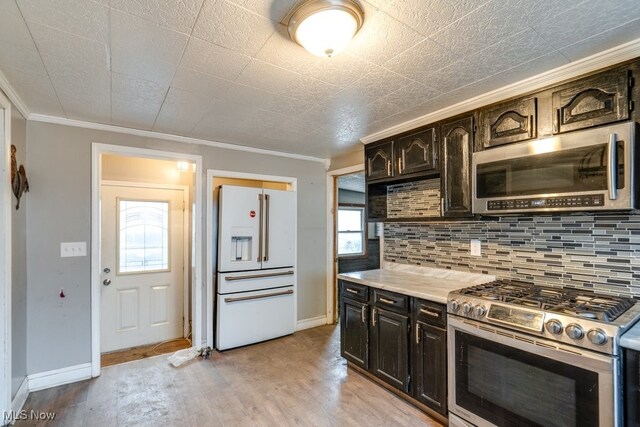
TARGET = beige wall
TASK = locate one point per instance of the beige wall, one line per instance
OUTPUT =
(59, 159)
(19, 261)
(351, 158)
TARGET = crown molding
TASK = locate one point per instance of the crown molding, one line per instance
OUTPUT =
(169, 137)
(13, 96)
(615, 55)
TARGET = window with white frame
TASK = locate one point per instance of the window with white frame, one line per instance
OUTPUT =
(351, 231)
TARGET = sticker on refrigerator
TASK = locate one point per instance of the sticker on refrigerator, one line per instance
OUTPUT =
(252, 214)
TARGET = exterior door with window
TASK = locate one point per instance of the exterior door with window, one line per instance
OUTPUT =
(142, 245)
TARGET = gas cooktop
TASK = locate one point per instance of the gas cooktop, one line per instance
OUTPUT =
(577, 317)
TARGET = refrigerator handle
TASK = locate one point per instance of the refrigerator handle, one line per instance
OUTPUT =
(266, 225)
(260, 231)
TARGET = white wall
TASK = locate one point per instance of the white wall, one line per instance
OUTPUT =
(59, 159)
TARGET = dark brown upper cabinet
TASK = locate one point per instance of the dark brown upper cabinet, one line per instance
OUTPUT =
(510, 122)
(593, 101)
(379, 161)
(417, 152)
(455, 178)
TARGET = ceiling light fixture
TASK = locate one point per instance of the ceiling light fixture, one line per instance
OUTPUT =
(325, 27)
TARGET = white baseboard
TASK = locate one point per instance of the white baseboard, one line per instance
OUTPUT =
(58, 377)
(311, 323)
(21, 396)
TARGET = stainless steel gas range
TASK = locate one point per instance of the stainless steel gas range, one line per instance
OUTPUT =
(521, 354)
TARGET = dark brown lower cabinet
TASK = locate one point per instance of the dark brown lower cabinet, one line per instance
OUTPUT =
(354, 332)
(389, 348)
(430, 366)
(632, 388)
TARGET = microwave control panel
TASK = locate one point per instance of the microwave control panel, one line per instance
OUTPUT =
(546, 202)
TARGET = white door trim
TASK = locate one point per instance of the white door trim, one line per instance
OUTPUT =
(97, 150)
(5, 259)
(185, 235)
(331, 274)
(214, 173)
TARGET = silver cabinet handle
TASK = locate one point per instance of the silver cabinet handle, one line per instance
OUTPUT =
(258, 276)
(430, 313)
(353, 291)
(389, 167)
(106, 282)
(260, 230)
(266, 223)
(373, 316)
(386, 301)
(417, 333)
(274, 294)
(612, 166)
(362, 313)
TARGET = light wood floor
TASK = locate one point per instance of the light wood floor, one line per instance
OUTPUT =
(142, 352)
(296, 380)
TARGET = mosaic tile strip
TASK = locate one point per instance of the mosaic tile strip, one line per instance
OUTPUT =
(414, 199)
(599, 252)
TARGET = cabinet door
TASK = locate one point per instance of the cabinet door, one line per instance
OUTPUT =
(389, 346)
(596, 100)
(354, 332)
(417, 152)
(379, 161)
(457, 145)
(507, 123)
(632, 388)
(430, 366)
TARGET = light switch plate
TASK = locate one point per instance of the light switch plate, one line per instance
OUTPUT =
(475, 248)
(69, 249)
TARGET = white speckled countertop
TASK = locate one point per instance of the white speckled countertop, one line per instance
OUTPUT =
(432, 284)
(631, 339)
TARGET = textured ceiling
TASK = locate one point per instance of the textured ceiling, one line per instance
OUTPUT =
(353, 182)
(226, 71)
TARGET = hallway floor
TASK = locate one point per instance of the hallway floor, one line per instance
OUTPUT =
(296, 380)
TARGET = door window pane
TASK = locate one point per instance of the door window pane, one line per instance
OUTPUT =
(143, 239)
(349, 219)
(349, 243)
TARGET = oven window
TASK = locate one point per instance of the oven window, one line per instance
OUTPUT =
(566, 171)
(507, 386)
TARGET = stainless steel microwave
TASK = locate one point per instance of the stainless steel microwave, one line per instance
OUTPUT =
(591, 170)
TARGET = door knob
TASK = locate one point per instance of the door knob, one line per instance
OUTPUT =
(106, 282)
(107, 270)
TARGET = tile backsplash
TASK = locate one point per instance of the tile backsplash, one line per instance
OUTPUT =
(599, 252)
(414, 199)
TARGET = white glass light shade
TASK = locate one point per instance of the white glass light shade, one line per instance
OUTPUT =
(325, 27)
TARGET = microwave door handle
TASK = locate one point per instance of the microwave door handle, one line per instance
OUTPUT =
(612, 166)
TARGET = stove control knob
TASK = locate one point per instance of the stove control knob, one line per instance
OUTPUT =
(575, 331)
(455, 305)
(467, 307)
(480, 310)
(597, 336)
(554, 326)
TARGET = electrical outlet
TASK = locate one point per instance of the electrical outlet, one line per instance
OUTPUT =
(475, 248)
(70, 249)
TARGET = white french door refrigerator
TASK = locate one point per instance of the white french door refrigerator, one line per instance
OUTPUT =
(256, 273)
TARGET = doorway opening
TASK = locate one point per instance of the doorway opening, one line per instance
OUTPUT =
(355, 243)
(145, 254)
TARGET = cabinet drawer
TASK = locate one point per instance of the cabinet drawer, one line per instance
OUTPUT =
(354, 291)
(431, 313)
(391, 301)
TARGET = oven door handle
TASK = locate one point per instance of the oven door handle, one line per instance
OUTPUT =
(612, 166)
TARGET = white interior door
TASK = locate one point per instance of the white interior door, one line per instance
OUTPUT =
(279, 229)
(142, 251)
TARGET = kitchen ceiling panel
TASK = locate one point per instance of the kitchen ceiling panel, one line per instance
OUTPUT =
(179, 15)
(211, 59)
(182, 110)
(226, 70)
(144, 50)
(229, 25)
(135, 101)
(82, 18)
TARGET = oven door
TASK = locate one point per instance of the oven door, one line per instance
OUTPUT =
(498, 377)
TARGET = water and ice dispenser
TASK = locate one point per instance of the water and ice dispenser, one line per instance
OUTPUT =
(241, 243)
